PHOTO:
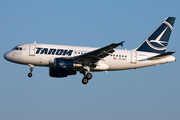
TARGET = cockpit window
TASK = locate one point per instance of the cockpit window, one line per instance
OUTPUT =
(17, 48)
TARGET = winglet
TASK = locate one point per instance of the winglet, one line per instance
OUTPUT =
(121, 43)
(114, 45)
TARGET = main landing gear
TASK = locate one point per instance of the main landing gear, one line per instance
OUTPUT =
(86, 77)
(31, 69)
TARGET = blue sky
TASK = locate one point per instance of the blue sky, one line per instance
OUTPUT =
(145, 93)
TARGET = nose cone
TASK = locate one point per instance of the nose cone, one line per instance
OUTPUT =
(7, 56)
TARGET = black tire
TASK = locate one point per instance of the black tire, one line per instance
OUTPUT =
(84, 81)
(89, 76)
(29, 74)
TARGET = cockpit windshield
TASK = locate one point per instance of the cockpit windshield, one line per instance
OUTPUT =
(17, 48)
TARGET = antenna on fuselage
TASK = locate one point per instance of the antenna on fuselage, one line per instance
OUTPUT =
(34, 42)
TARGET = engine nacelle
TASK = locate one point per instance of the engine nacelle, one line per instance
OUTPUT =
(63, 64)
(60, 73)
(62, 68)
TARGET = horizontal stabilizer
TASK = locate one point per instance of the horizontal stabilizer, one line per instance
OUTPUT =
(164, 55)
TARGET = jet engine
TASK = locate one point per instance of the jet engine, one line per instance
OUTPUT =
(63, 64)
(62, 67)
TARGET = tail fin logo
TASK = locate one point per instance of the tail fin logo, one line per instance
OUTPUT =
(158, 40)
(158, 43)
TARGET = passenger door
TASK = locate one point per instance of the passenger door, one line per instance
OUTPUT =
(32, 49)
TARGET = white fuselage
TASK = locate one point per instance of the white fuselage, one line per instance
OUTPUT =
(44, 54)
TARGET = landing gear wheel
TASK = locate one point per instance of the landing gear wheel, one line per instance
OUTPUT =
(31, 69)
(84, 81)
(89, 76)
(86, 77)
(29, 74)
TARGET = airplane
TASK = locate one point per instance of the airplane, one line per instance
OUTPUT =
(64, 60)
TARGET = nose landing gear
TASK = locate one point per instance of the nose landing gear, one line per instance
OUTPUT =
(31, 69)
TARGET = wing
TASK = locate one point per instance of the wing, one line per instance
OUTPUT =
(96, 55)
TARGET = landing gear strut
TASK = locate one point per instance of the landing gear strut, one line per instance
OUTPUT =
(86, 77)
(31, 69)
